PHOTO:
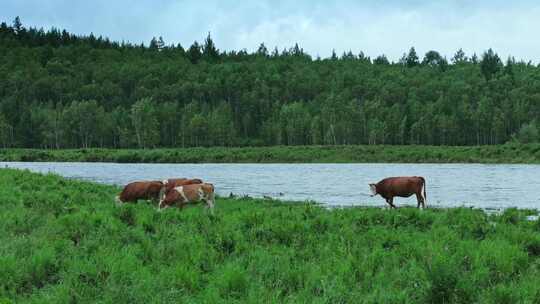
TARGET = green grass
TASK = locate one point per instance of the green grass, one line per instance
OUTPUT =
(65, 241)
(508, 153)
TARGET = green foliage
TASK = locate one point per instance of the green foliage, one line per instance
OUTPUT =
(508, 153)
(59, 90)
(145, 122)
(490, 64)
(66, 241)
(528, 133)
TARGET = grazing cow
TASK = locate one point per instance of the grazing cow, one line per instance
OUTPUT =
(175, 182)
(403, 186)
(140, 190)
(183, 195)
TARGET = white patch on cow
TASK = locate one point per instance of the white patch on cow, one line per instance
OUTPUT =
(180, 189)
(373, 190)
(165, 181)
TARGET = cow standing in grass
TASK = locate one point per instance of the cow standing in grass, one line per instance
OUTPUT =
(403, 186)
(183, 195)
(147, 190)
(170, 183)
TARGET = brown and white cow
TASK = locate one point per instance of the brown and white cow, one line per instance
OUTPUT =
(403, 186)
(148, 190)
(175, 182)
(183, 195)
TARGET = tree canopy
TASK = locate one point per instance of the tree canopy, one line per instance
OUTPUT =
(60, 90)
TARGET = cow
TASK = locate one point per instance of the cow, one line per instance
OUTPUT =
(183, 195)
(403, 186)
(148, 190)
(175, 182)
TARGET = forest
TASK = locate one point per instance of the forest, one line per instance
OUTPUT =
(60, 90)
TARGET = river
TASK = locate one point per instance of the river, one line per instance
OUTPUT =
(448, 185)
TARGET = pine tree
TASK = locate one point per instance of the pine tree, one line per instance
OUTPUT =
(17, 25)
(459, 57)
(490, 64)
(160, 43)
(334, 56)
(210, 52)
(412, 59)
(153, 44)
(381, 60)
(194, 52)
(262, 50)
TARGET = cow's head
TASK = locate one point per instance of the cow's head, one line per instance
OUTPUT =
(373, 188)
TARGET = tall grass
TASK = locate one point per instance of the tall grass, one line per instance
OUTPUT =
(508, 153)
(65, 241)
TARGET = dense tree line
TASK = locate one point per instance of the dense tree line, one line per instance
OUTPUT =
(59, 90)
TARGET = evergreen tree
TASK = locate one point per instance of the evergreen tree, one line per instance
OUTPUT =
(334, 56)
(160, 43)
(194, 52)
(262, 50)
(411, 59)
(459, 57)
(490, 64)
(17, 25)
(381, 60)
(210, 51)
(153, 44)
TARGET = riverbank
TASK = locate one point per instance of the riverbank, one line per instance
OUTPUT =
(508, 153)
(66, 241)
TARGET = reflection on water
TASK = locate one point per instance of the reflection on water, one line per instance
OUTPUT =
(481, 186)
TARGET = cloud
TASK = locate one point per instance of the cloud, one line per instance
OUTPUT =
(375, 27)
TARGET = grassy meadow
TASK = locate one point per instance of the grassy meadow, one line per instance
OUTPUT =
(65, 241)
(508, 153)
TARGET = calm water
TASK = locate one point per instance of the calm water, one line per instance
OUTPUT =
(481, 186)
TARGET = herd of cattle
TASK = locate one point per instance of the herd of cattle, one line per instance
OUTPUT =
(170, 192)
(183, 191)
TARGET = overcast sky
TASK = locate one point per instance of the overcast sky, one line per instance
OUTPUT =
(509, 27)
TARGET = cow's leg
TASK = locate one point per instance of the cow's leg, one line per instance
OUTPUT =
(390, 202)
(210, 205)
(420, 200)
(161, 194)
(210, 200)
